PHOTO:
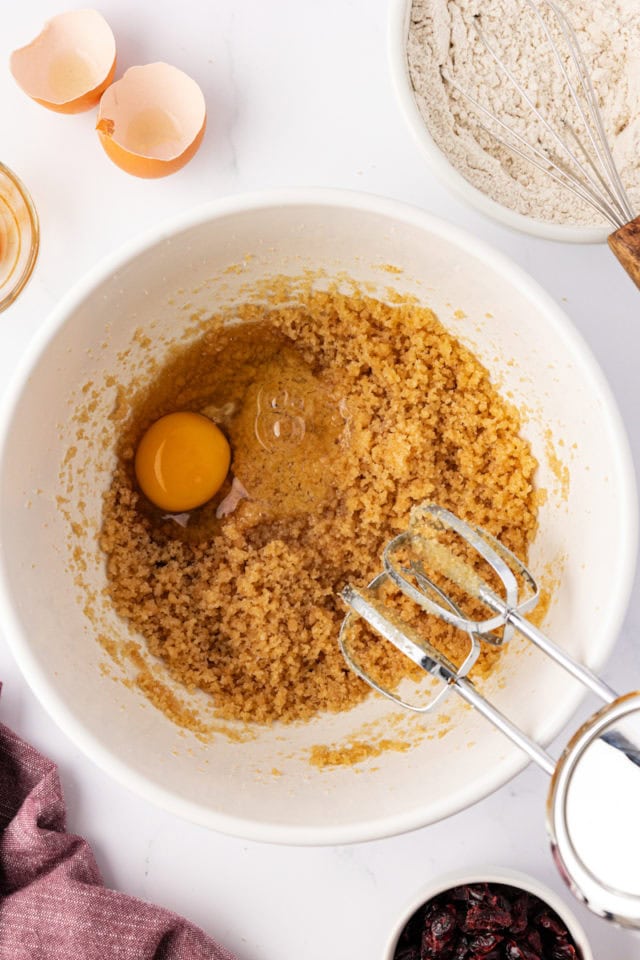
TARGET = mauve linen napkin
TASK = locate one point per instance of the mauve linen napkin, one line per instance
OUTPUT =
(53, 905)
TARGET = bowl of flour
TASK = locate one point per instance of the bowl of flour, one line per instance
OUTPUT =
(429, 38)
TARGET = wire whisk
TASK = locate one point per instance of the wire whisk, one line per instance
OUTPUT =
(579, 159)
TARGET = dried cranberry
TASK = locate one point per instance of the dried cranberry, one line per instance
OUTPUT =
(440, 925)
(551, 923)
(441, 920)
(534, 940)
(485, 916)
(519, 951)
(461, 949)
(479, 891)
(564, 951)
(463, 893)
(484, 943)
(519, 914)
(503, 903)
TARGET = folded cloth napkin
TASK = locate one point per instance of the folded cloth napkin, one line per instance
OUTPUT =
(53, 905)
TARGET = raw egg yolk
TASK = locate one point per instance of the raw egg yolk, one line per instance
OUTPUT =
(182, 461)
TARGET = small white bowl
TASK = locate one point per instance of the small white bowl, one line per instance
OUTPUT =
(511, 878)
(399, 16)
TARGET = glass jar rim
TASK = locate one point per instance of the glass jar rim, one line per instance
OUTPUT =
(29, 234)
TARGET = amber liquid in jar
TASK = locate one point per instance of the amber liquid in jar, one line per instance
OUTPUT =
(19, 236)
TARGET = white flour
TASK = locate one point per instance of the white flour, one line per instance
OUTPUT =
(442, 35)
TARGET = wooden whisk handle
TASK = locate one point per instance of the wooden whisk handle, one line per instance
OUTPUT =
(625, 243)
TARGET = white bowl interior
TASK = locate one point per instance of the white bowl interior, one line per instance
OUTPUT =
(586, 536)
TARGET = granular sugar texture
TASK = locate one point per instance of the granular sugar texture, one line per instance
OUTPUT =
(343, 413)
(443, 39)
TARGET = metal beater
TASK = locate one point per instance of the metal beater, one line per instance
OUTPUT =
(581, 161)
(593, 804)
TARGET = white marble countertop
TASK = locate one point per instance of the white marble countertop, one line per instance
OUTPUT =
(298, 93)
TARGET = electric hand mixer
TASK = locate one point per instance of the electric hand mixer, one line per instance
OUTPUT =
(593, 804)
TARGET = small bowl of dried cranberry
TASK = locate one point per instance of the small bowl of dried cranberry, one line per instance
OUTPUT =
(490, 915)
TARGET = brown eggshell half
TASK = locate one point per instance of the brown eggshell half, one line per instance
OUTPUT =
(152, 120)
(69, 64)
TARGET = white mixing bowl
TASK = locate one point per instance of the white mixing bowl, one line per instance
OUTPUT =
(587, 534)
(399, 19)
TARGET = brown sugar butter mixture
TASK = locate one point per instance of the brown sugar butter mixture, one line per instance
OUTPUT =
(342, 413)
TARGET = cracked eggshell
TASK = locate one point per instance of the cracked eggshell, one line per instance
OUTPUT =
(152, 120)
(69, 64)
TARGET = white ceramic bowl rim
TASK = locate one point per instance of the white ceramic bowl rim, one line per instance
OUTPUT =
(399, 11)
(40, 682)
